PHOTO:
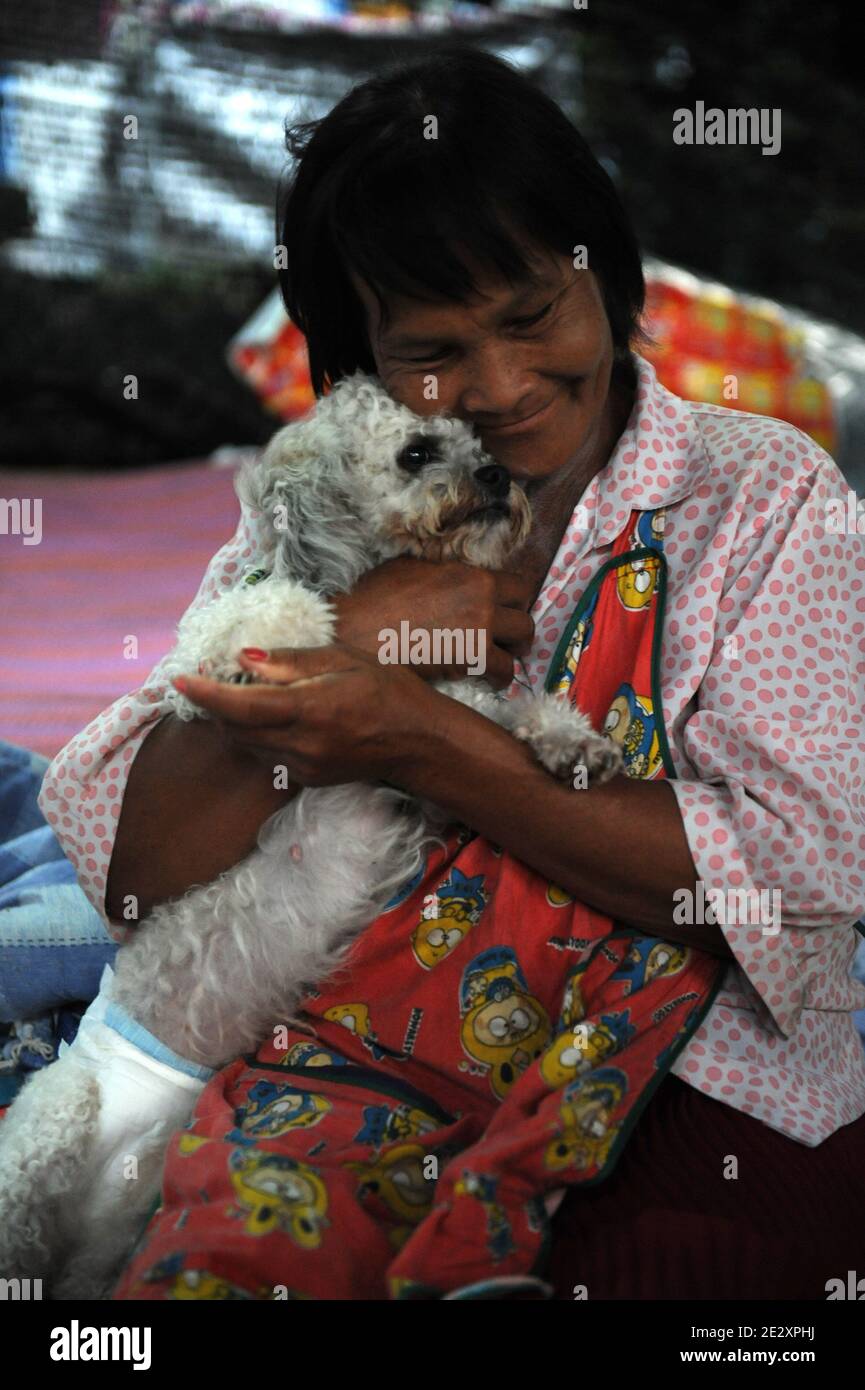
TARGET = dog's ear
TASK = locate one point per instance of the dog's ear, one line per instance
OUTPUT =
(299, 487)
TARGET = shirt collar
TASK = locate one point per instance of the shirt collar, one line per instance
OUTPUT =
(659, 459)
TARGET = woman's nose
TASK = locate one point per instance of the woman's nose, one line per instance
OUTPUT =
(496, 386)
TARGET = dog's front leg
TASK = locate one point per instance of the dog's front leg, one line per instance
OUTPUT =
(560, 736)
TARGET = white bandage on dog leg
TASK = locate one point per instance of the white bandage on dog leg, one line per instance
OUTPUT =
(142, 1101)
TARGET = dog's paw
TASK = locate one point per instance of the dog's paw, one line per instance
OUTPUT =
(562, 739)
(600, 757)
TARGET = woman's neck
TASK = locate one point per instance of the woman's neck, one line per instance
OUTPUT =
(554, 500)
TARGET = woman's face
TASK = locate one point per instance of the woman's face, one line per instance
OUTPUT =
(528, 365)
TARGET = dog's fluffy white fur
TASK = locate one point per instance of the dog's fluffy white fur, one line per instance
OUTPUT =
(360, 480)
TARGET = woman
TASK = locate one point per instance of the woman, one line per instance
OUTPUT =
(447, 229)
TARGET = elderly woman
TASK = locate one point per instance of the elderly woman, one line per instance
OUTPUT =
(447, 229)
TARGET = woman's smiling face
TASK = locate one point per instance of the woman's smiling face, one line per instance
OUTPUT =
(528, 365)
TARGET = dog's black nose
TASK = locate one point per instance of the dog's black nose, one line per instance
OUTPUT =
(495, 480)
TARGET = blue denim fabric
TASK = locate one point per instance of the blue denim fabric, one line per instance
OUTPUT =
(53, 943)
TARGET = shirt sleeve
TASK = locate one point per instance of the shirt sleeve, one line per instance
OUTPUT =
(82, 791)
(777, 740)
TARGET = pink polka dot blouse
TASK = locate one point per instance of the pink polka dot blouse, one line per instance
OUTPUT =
(763, 686)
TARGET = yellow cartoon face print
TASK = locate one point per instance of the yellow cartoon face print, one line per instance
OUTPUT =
(197, 1284)
(557, 897)
(278, 1192)
(586, 1116)
(584, 1046)
(447, 918)
(200, 1285)
(503, 1026)
(273, 1109)
(435, 937)
(630, 722)
(647, 958)
(636, 581)
(397, 1179)
(311, 1054)
(190, 1143)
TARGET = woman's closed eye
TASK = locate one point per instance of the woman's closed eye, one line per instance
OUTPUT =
(440, 351)
(533, 318)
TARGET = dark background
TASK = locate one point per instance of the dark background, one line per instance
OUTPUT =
(790, 227)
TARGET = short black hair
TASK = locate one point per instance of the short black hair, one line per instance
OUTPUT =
(370, 192)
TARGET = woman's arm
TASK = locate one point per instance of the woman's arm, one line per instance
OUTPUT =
(195, 800)
(620, 847)
(193, 807)
(335, 715)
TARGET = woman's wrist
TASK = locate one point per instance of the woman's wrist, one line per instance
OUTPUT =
(489, 781)
(448, 742)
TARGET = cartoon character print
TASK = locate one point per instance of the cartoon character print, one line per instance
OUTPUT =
(586, 1132)
(312, 1054)
(277, 1192)
(447, 918)
(630, 722)
(580, 639)
(557, 897)
(188, 1144)
(484, 1187)
(273, 1109)
(637, 580)
(504, 1028)
(397, 1180)
(355, 1017)
(406, 890)
(198, 1284)
(647, 958)
(579, 1047)
(385, 1124)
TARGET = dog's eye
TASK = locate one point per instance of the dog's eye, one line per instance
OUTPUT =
(413, 457)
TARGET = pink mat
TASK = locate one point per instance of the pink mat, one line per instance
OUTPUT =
(121, 555)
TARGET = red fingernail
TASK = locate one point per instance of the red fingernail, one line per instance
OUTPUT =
(254, 653)
(179, 683)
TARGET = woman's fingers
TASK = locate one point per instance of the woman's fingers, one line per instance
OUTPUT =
(514, 590)
(241, 704)
(288, 665)
(514, 629)
(284, 680)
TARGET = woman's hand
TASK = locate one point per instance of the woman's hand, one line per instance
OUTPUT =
(326, 714)
(443, 596)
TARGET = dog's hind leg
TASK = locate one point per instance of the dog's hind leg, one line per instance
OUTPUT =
(81, 1155)
(204, 979)
(44, 1141)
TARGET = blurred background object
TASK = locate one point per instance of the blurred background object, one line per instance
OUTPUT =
(141, 142)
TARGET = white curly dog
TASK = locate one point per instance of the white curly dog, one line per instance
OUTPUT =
(358, 481)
